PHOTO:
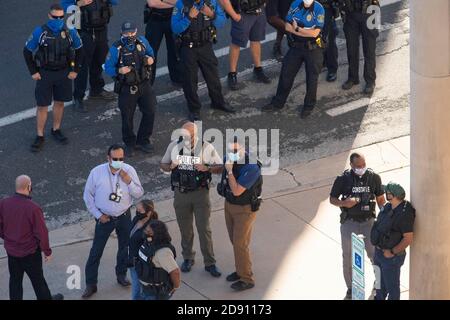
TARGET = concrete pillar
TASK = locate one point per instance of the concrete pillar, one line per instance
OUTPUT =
(430, 148)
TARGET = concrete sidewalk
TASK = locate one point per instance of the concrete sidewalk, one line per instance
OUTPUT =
(295, 246)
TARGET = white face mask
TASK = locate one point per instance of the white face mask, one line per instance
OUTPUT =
(360, 171)
(308, 2)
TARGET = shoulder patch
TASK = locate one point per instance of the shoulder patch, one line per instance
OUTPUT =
(321, 18)
(175, 11)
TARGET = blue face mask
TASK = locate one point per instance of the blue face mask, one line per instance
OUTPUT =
(129, 41)
(234, 157)
(55, 25)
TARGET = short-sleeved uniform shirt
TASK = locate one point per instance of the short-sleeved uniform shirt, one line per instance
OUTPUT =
(208, 156)
(373, 186)
(165, 259)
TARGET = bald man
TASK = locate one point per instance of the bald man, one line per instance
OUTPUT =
(23, 229)
(191, 163)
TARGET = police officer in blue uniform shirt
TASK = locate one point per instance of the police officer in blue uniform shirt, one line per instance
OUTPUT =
(304, 24)
(53, 55)
(194, 23)
(356, 15)
(129, 63)
(95, 16)
(157, 17)
(329, 33)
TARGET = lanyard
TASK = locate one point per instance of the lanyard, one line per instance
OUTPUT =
(110, 181)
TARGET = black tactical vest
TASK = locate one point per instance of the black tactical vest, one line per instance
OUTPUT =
(247, 6)
(96, 15)
(55, 50)
(250, 195)
(135, 59)
(361, 189)
(149, 275)
(188, 179)
(201, 29)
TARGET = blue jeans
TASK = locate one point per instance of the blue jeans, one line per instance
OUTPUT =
(390, 275)
(136, 287)
(153, 296)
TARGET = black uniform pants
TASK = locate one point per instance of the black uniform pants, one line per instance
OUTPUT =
(95, 46)
(292, 62)
(32, 266)
(329, 33)
(155, 30)
(205, 59)
(146, 100)
(355, 26)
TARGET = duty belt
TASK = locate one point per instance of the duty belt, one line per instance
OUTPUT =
(310, 45)
(254, 12)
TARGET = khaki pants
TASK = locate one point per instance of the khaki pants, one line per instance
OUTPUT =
(240, 220)
(187, 205)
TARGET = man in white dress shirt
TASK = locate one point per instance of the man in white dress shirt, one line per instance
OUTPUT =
(108, 194)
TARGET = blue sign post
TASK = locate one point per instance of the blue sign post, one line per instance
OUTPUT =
(358, 281)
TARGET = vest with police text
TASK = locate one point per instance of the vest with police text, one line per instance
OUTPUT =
(361, 189)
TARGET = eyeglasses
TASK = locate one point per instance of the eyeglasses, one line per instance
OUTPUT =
(57, 17)
(117, 159)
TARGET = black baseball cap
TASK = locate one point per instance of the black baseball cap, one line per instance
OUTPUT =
(128, 26)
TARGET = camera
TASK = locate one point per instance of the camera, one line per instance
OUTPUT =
(115, 197)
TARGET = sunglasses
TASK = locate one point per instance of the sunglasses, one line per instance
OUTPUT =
(57, 17)
(117, 159)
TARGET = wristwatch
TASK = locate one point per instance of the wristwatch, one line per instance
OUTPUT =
(297, 29)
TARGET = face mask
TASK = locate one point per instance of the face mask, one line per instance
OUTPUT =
(131, 40)
(55, 25)
(234, 157)
(360, 171)
(140, 215)
(116, 164)
(308, 2)
(30, 190)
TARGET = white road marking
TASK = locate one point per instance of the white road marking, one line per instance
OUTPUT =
(30, 113)
(337, 111)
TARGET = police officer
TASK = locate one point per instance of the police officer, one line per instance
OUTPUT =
(356, 14)
(157, 16)
(391, 234)
(129, 63)
(356, 191)
(241, 185)
(276, 11)
(191, 163)
(304, 24)
(194, 23)
(329, 34)
(95, 16)
(156, 266)
(248, 23)
(53, 56)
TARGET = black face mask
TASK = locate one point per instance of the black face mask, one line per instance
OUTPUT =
(140, 215)
(131, 40)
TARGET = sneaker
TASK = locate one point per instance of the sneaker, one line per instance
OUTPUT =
(349, 84)
(241, 285)
(232, 81)
(58, 136)
(260, 76)
(102, 94)
(276, 52)
(233, 277)
(79, 106)
(186, 266)
(38, 144)
(213, 270)
(57, 296)
(369, 89)
(146, 148)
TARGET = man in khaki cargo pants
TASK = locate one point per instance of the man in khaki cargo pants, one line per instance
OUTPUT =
(241, 184)
(191, 170)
